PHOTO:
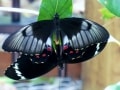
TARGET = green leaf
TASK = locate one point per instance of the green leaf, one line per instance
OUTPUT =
(115, 86)
(49, 8)
(106, 14)
(42, 80)
(6, 80)
(112, 5)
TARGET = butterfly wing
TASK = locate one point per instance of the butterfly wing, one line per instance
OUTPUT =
(83, 40)
(23, 68)
(31, 39)
(84, 54)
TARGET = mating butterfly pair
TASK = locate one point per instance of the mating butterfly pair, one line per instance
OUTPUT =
(46, 44)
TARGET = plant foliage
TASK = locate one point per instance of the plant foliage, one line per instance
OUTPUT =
(49, 8)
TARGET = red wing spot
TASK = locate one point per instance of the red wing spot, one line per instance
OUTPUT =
(71, 52)
(37, 56)
(49, 49)
(65, 47)
(44, 55)
(77, 51)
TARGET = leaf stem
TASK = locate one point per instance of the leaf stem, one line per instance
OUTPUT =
(56, 7)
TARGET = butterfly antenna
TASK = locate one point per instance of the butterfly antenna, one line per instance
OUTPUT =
(112, 39)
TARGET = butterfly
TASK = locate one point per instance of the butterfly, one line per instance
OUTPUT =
(45, 44)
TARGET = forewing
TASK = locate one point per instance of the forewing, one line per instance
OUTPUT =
(31, 39)
(83, 40)
(24, 68)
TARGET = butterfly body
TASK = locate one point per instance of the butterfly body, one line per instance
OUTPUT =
(49, 43)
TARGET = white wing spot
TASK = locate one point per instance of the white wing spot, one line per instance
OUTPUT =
(48, 42)
(97, 48)
(19, 74)
(65, 40)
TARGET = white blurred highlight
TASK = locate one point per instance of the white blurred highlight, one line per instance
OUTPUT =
(114, 40)
(3, 37)
(19, 10)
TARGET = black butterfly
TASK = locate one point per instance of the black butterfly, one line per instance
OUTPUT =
(48, 43)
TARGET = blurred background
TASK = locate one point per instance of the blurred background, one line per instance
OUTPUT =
(95, 74)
